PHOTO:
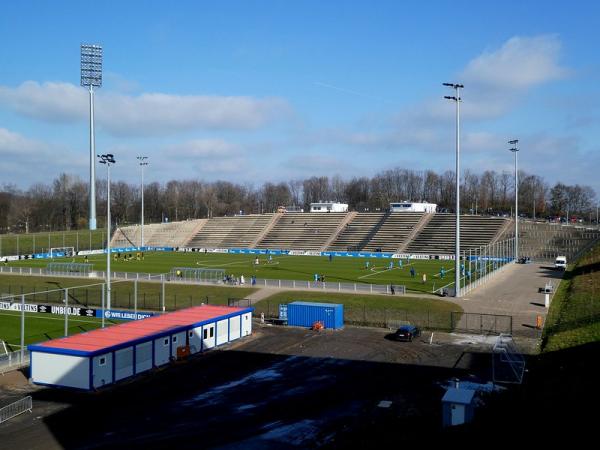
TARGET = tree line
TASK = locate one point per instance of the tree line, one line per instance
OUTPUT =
(63, 204)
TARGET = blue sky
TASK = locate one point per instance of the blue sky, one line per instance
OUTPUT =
(252, 91)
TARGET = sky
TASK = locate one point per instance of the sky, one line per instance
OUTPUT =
(254, 91)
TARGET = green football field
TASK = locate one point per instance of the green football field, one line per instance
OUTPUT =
(41, 327)
(285, 267)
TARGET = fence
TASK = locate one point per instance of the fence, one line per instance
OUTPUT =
(479, 265)
(481, 323)
(12, 360)
(16, 408)
(258, 282)
(393, 318)
(24, 244)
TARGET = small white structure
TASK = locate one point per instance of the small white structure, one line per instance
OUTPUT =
(413, 207)
(107, 355)
(458, 406)
(328, 207)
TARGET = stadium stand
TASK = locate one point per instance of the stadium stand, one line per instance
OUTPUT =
(376, 232)
(230, 232)
(358, 232)
(394, 231)
(438, 236)
(259, 237)
(388, 232)
(545, 241)
(172, 234)
(342, 226)
(302, 231)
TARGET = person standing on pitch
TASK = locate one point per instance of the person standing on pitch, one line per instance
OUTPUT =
(412, 272)
(424, 278)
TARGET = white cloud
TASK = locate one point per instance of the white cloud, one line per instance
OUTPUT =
(50, 102)
(12, 143)
(144, 114)
(163, 113)
(26, 160)
(495, 82)
(216, 157)
(521, 63)
(202, 148)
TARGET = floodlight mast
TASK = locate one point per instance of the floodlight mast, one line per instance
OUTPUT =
(91, 76)
(515, 150)
(457, 269)
(107, 159)
(142, 163)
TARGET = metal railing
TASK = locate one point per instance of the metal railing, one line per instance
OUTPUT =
(16, 408)
(259, 282)
(12, 360)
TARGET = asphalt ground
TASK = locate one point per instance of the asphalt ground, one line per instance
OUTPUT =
(280, 388)
(515, 292)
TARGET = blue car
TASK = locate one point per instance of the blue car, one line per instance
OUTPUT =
(406, 333)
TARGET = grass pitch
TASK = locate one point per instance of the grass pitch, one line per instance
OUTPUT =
(285, 267)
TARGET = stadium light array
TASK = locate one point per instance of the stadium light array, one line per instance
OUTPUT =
(91, 77)
(457, 269)
(107, 159)
(143, 162)
(515, 150)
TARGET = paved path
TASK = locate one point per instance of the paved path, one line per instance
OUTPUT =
(261, 294)
(514, 292)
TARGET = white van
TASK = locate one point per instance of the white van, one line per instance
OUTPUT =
(560, 263)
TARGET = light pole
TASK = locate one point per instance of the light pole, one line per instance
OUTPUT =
(456, 98)
(91, 76)
(107, 159)
(142, 163)
(515, 150)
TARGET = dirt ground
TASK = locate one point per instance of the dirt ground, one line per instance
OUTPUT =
(280, 388)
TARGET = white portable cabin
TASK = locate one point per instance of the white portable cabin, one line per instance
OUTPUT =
(107, 355)
(413, 207)
(328, 207)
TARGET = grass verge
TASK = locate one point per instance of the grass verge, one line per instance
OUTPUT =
(574, 316)
(373, 310)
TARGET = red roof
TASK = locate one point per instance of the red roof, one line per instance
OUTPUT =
(116, 335)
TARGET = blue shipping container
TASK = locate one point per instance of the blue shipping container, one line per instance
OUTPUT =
(305, 314)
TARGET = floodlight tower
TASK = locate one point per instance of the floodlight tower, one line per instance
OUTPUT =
(515, 150)
(142, 163)
(456, 98)
(91, 76)
(107, 159)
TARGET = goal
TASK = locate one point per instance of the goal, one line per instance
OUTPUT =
(194, 274)
(62, 252)
(508, 364)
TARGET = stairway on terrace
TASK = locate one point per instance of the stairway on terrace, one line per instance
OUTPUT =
(302, 231)
(393, 232)
(358, 232)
